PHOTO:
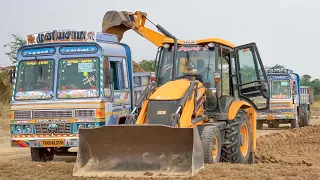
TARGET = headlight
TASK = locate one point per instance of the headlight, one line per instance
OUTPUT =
(81, 126)
(90, 125)
(18, 129)
(211, 45)
(27, 129)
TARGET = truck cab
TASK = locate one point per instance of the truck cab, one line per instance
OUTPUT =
(286, 105)
(66, 80)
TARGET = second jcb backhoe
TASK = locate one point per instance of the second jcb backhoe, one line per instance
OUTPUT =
(198, 109)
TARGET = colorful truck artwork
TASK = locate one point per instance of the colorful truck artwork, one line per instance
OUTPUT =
(66, 80)
(289, 101)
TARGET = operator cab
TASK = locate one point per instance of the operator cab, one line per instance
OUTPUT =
(227, 71)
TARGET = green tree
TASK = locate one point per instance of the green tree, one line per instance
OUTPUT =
(305, 80)
(148, 65)
(16, 42)
(315, 84)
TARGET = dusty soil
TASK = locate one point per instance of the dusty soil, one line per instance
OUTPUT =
(137, 67)
(282, 154)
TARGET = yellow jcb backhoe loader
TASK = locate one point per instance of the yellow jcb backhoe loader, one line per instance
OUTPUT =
(198, 109)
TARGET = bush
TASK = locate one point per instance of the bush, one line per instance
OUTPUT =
(5, 87)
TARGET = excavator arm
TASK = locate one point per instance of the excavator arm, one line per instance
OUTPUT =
(116, 22)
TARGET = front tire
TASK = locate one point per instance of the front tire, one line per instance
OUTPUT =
(211, 143)
(238, 139)
(41, 154)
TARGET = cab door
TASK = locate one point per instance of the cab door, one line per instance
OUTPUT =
(252, 82)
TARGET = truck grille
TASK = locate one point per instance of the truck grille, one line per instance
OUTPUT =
(62, 128)
(279, 104)
(22, 114)
(52, 114)
(84, 112)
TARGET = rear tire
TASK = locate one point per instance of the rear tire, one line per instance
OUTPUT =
(259, 125)
(211, 143)
(238, 139)
(41, 154)
(273, 125)
(306, 118)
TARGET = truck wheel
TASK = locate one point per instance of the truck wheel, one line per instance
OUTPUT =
(273, 125)
(238, 138)
(41, 154)
(259, 125)
(295, 122)
(211, 143)
(306, 118)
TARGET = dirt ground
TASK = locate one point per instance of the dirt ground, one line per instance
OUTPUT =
(282, 154)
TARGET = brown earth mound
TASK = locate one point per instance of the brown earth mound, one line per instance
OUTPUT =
(137, 67)
(299, 146)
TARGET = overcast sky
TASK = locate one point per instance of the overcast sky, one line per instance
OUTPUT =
(286, 31)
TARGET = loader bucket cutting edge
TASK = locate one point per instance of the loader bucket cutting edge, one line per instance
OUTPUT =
(117, 23)
(139, 151)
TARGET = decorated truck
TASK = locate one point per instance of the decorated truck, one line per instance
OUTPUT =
(66, 80)
(289, 101)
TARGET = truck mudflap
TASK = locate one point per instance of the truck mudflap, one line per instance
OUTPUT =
(138, 151)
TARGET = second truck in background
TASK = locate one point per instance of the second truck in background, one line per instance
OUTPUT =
(289, 101)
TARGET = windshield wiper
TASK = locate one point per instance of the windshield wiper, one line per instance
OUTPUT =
(40, 66)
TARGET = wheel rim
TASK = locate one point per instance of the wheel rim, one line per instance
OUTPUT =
(214, 150)
(244, 135)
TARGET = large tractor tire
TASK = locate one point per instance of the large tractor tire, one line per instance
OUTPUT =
(211, 142)
(306, 118)
(238, 139)
(41, 154)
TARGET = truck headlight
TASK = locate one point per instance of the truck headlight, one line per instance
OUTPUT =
(18, 129)
(90, 125)
(27, 129)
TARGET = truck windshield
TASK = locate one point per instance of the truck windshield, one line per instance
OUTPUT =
(280, 89)
(200, 57)
(78, 78)
(34, 79)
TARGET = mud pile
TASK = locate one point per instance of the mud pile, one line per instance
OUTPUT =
(137, 67)
(295, 147)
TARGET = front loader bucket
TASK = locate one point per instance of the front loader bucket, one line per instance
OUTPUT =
(138, 151)
(115, 22)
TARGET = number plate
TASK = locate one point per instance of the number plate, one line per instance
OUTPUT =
(270, 117)
(52, 143)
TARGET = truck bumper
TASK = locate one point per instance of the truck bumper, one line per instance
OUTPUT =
(271, 117)
(45, 142)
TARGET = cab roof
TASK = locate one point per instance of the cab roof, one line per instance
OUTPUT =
(201, 41)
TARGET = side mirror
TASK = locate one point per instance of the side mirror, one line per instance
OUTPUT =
(11, 75)
(108, 76)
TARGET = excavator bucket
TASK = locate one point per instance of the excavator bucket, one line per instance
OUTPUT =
(115, 22)
(139, 151)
